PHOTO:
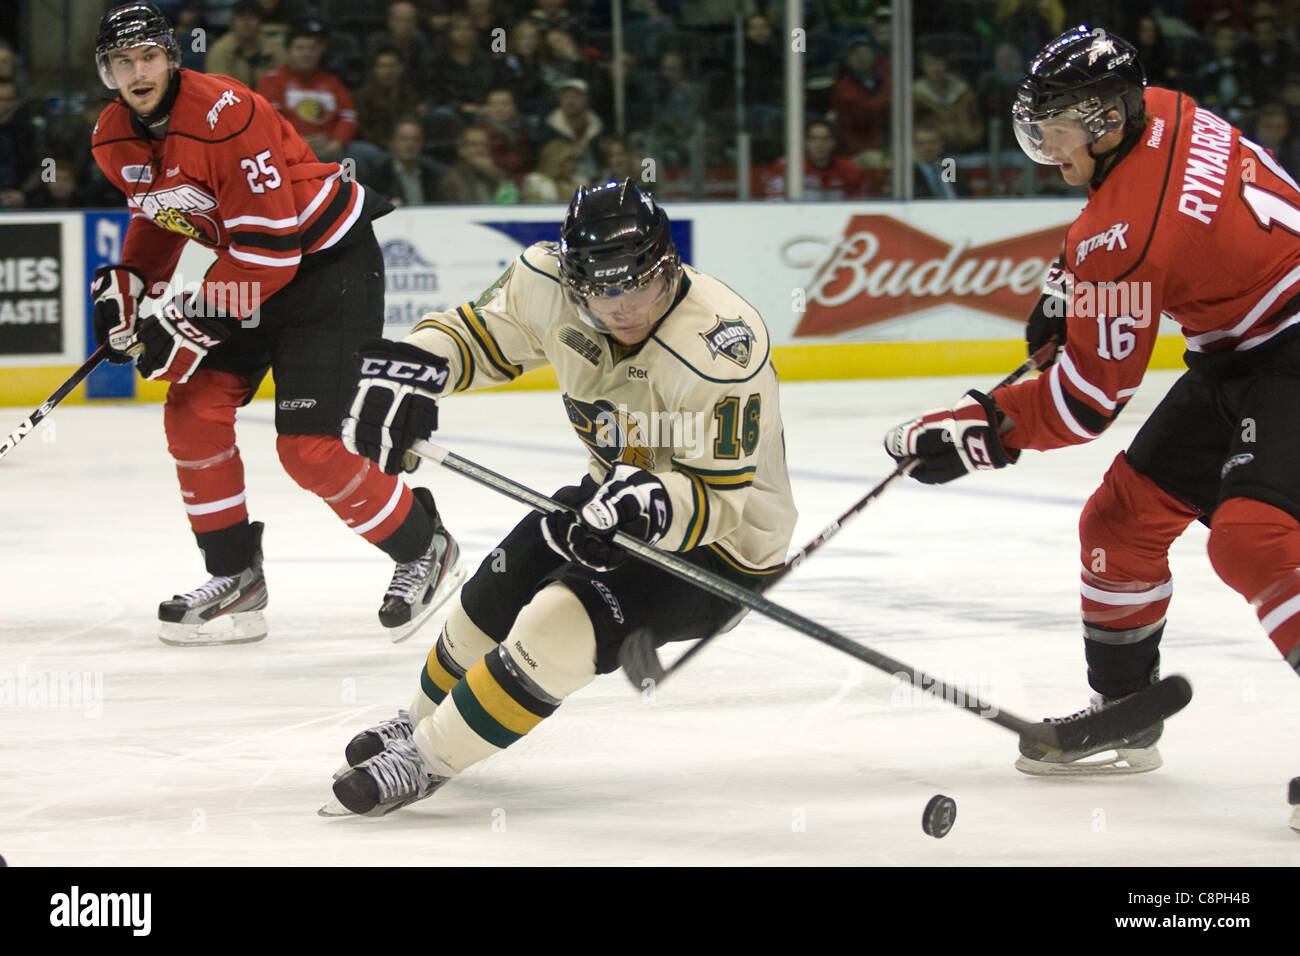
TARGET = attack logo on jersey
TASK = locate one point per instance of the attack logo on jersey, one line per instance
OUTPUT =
(731, 338)
(612, 435)
(181, 209)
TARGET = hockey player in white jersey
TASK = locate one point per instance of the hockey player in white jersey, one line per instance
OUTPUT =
(667, 379)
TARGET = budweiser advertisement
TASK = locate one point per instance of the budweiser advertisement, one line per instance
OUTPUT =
(889, 271)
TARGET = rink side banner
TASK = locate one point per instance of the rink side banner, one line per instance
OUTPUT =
(848, 290)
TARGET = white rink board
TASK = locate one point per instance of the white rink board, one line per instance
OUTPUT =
(769, 749)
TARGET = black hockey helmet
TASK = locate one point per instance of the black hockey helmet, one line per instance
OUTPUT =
(615, 240)
(132, 25)
(1081, 76)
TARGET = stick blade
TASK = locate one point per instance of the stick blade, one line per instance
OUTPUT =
(1126, 717)
(640, 659)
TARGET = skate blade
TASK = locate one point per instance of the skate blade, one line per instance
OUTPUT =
(334, 809)
(449, 585)
(243, 627)
(1142, 760)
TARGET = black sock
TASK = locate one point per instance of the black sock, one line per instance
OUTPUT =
(414, 535)
(1118, 665)
(228, 551)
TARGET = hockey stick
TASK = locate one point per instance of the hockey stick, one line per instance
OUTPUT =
(28, 424)
(1133, 713)
(639, 655)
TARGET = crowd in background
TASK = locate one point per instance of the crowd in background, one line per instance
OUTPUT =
(512, 101)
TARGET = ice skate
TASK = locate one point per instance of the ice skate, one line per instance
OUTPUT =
(225, 610)
(393, 778)
(421, 586)
(370, 742)
(1135, 753)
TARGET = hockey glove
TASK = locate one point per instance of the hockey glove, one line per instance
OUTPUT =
(1047, 321)
(175, 342)
(117, 291)
(631, 500)
(952, 441)
(395, 404)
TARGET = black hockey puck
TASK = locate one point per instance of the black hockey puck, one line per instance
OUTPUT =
(940, 814)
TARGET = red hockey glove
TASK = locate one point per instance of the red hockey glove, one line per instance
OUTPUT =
(952, 441)
(117, 291)
(176, 342)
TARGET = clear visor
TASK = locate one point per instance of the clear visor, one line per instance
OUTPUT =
(1050, 141)
(104, 60)
(625, 309)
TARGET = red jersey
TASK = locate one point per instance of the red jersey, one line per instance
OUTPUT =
(1195, 222)
(840, 179)
(315, 103)
(231, 174)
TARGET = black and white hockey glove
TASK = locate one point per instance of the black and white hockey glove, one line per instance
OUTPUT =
(395, 404)
(117, 291)
(1048, 320)
(630, 500)
(178, 339)
(949, 442)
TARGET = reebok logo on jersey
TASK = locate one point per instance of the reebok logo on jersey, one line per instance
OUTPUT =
(1157, 133)
(1112, 237)
(227, 98)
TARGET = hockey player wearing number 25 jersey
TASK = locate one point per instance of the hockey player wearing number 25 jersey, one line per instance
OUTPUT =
(1186, 217)
(296, 286)
(666, 378)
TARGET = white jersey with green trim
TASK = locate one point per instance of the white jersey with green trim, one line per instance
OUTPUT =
(696, 403)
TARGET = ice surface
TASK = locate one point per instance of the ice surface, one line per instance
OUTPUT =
(768, 749)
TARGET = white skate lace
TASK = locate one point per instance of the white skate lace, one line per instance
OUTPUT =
(1098, 702)
(408, 578)
(207, 592)
(394, 728)
(398, 771)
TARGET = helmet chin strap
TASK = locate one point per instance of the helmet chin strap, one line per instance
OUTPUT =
(1105, 161)
(155, 124)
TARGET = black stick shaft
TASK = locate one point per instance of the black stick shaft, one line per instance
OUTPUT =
(721, 587)
(28, 424)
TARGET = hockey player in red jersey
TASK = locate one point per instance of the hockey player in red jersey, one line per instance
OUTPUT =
(1189, 218)
(296, 286)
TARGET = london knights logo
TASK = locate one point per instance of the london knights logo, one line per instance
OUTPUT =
(182, 209)
(732, 339)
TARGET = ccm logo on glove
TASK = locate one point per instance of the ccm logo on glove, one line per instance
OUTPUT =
(418, 373)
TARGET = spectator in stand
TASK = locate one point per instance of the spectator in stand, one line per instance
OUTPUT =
(462, 73)
(934, 172)
(475, 178)
(997, 91)
(553, 14)
(1265, 56)
(764, 77)
(56, 189)
(1273, 132)
(617, 164)
(243, 52)
(947, 101)
(675, 104)
(565, 59)
(190, 38)
(556, 176)
(279, 17)
(1220, 84)
(312, 99)
(521, 68)
(385, 97)
(21, 146)
(404, 36)
(509, 141)
(825, 175)
(860, 98)
(485, 17)
(9, 65)
(383, 100)
(408, 178)
(1154, 54)
(574, 122)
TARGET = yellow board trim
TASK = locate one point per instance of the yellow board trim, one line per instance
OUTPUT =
(499, 705)
(798, 363)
